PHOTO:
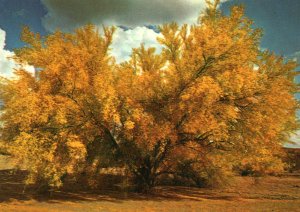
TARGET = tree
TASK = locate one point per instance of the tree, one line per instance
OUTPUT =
(208, 101)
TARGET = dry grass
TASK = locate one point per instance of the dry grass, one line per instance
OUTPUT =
(245, 194)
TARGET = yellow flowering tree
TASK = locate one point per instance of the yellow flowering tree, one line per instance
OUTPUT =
(208, 101)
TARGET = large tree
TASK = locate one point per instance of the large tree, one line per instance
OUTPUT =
(209, 101)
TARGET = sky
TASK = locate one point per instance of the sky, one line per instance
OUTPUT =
(136, 22)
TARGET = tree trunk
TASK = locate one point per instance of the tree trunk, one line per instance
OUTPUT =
(146, 172)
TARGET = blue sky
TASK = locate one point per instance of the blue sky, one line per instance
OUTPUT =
(16, 13)
(280, 20)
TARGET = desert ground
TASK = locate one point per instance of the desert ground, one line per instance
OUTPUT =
(244, 194)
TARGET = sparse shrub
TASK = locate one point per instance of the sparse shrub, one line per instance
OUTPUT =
(264, 162)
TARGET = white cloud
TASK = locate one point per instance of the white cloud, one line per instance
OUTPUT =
(295, 138)
(7, 64)
(67, 15)
(296, 56)
(2, 39)
(124, 41)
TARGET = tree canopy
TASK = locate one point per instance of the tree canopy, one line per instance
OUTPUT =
(212, 100)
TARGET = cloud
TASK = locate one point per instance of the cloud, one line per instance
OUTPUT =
(2, 39)
(130, 15)
(296, 57)
(295, 139)
(67, 15)
(7, 64)
(125, 40)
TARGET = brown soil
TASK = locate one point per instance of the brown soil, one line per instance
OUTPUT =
(245, 194)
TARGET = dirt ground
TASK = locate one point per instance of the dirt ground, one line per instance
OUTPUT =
(245, 194)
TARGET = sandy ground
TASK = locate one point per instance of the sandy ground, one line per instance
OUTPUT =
(245, 194)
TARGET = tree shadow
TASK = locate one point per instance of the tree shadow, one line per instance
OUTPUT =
(12, 188)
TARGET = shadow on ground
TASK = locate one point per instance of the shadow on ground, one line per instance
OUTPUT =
(271, 188)
(12, 188)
